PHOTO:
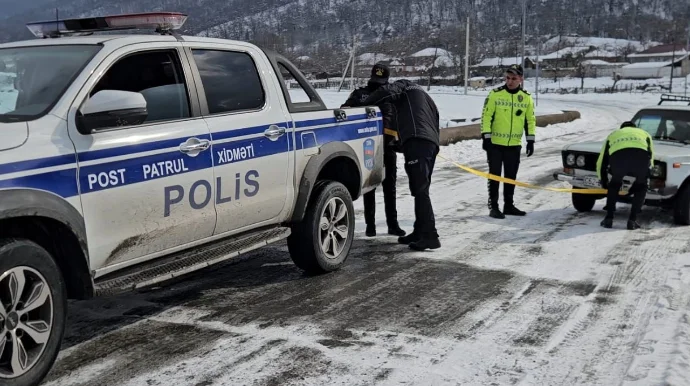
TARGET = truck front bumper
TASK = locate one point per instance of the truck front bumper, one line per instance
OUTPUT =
(590, 181)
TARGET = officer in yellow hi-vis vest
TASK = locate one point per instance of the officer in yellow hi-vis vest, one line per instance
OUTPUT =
(508, 112)
(628, 151)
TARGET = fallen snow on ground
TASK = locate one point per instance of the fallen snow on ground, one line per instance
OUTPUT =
(644, 336)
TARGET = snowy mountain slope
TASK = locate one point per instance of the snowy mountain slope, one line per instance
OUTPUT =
(413, 24)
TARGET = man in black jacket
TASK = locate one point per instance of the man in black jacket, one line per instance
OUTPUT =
(379, 77)
(418, 127)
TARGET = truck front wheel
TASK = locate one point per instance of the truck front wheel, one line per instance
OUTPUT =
(33, 306)
(583, 202)
(322, 241)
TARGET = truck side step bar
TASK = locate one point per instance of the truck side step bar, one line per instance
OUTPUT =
(184, 262)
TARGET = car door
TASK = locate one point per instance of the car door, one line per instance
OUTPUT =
(145, 188)
(250, 134)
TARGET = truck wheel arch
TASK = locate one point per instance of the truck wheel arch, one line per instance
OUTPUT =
(329, 152)
(40, 211)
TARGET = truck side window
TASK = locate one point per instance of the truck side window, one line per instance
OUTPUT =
(158, 76)
(295, 90)
(230, 79)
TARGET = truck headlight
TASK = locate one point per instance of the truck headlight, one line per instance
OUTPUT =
(570, 159)
(657, 171)
(581, 160)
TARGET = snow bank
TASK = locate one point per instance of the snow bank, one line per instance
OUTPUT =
(453, 106)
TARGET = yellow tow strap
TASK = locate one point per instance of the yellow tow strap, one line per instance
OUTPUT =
(526, 185)
(390, 132)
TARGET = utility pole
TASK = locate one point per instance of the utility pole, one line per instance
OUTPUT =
(536, 102)
(673, 59)
(524, 21)
(350, 61)
(687, 52)
(536, 86)
(467, 54)
(352, 69)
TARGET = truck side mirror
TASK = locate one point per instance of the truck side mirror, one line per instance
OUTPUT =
(111, 108)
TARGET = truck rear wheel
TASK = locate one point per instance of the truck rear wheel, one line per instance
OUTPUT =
(33, 305)
(583, 202)
(322, 241)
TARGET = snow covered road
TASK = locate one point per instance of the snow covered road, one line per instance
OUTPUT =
(548, 299)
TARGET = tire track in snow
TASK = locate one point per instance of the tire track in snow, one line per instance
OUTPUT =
(491, 313)
(635, 284)
(667, 337)
(678, 371)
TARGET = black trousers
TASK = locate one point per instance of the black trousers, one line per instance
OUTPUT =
(420, 158)
(632, 163)
(506, 159)
(388, 185)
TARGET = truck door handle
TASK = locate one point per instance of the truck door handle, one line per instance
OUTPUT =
(194, 145)
(273, 132)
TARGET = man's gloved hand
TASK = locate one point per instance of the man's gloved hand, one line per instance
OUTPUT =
(486, 143)
(530, 148)
(395, 145)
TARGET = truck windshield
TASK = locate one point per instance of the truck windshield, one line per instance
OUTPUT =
(32, 79)
(672, 125)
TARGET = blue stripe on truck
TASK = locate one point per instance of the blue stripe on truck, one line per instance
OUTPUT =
(108, 175)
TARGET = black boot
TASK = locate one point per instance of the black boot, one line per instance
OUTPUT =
(607, 222)
(395, 230)
(495, 212)
(511, 210)
(426, 242)
(412, 237)
(371, 230)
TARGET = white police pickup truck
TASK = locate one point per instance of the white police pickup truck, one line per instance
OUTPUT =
(669, 183)
(127, 160)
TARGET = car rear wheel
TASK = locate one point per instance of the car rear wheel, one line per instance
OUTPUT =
(583, 202)
(33, 308)
(322, 241)
(681, 208)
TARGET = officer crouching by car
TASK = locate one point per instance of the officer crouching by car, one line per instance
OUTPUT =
(379, 77)
(628, 151)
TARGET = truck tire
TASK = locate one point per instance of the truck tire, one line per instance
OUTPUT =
(583, 202)
(34, 301)
(681, 207)
(330, 216)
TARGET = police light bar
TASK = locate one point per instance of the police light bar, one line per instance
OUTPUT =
(160, 21)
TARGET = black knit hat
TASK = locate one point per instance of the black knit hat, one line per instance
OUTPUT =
(380, 73)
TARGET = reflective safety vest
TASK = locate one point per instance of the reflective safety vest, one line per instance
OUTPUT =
(626, 138)
(506, 115)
